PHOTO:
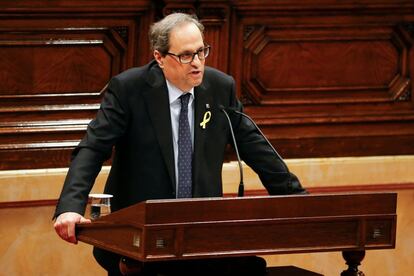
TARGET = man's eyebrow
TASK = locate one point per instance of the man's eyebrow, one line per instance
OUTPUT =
(191, 52)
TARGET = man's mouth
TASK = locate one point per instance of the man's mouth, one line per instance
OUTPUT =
(195, 73)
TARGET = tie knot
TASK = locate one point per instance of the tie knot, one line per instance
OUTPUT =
(184, 99)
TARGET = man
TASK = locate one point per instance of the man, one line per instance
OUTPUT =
(166, 146)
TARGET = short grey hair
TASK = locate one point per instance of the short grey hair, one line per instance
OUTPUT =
(159, 33)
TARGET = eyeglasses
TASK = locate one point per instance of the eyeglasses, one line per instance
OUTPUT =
(189, 57)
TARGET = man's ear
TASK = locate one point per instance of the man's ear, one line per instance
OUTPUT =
(158, 57)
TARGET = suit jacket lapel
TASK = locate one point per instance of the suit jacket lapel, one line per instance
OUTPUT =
(159, 111)
(202, 105)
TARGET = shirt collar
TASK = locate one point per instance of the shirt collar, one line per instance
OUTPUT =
(174, 93)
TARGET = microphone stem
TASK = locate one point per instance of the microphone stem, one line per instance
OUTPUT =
(264, 137)
(241, 185)
(241, 189)
(289, 182)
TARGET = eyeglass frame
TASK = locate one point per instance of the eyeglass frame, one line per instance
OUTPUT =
(207, 47)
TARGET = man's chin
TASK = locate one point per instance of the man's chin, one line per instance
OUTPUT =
(197, 82)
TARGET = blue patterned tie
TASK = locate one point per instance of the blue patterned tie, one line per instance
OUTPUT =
(185, 151)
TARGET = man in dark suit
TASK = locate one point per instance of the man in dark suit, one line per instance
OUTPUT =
(141, 118)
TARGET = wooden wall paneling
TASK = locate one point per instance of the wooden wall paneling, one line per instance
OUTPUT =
(321, 78)
(327, 80)
(215, 15)
(173, 6)
(54, 61)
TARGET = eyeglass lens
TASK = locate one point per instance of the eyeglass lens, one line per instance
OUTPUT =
(202, 54)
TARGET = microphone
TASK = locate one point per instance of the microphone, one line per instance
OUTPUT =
(241, 185)
(233, 110)
(261, 133)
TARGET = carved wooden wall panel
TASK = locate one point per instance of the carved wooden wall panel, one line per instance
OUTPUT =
(328, 80)
(54, 63)
(216, 19)
(321, 78)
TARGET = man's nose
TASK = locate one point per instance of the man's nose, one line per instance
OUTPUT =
(196, 60)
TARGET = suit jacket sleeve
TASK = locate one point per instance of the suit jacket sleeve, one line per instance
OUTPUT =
(96, 147)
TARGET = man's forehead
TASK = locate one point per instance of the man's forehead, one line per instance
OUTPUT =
(186, 36)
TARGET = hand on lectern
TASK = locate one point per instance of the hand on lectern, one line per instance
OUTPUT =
(65, 225)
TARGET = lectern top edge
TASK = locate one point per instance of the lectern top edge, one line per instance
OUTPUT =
(262, 207)
(170, 200)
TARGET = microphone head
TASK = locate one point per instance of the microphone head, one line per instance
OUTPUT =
(228, 109)
(232, 109)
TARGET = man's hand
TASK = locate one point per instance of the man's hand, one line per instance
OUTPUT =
(65, 225)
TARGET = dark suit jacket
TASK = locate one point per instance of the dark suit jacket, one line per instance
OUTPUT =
(134, 123)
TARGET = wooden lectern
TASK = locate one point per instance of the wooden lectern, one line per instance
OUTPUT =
(174, 229)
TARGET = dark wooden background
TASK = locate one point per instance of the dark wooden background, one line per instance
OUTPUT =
(322, 78)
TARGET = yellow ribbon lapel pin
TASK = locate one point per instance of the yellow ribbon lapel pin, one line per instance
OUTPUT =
(206, 119)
